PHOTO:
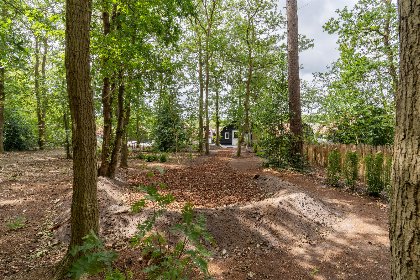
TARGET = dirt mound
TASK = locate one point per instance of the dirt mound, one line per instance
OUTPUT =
(291, 213)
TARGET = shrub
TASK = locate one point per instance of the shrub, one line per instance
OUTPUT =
(141, 156)
(172, 261)
(150, 158)
(163, 158)
(374, 173)
(93, 259)
(351, 169)
(333, 168)
(18, 133)
(255, 147)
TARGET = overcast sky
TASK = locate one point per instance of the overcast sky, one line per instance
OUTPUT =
(313, 14)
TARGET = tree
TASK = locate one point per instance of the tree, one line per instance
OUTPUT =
(362, 82)
(294, 82)
(405, 193)
(84, 208)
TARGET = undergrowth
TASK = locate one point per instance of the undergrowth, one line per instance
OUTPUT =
(167, 259)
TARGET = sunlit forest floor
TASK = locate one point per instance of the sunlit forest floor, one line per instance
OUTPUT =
(267, 224)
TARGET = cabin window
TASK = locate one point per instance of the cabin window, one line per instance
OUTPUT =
(226, 135)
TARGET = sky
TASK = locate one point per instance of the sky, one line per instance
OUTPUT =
(312, 15)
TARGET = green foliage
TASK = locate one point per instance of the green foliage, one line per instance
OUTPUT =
(169, 133)
(93, 259)
(18, 133)
(172, 261)
(19, 222)
(387, 175)
(334, 168)
(351, 169)
(163, 158)
(141, 156)
(374, 173)
(356, 96)
(150, 158)
(255, 147)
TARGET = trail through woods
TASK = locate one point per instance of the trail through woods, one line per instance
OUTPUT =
(267, 224)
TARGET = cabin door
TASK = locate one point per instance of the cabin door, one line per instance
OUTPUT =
(235, 135)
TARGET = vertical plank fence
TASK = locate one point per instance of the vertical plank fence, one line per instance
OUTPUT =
(318, 154)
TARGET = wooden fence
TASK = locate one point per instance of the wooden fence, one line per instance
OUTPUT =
(318, 154)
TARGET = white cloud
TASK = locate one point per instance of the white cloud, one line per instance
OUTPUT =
(313, 14)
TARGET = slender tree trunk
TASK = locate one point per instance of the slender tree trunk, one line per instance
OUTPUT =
(124, 148)
(2, 92)
(43, 99)
(37, 93)
(200, 102)
(248, 89)
(84, 208)
(67, 129)
(405, 193)
(2, 100)
(217, 114)
(119, 130)
(391, 68)
(106, 106)
(294, 83)
(206, 135)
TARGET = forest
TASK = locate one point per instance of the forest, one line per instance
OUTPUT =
(174, 139)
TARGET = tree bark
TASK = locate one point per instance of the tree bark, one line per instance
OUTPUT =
(405, 193)
(217, 113)
(294, 83)
(106, 108)
(390, 55)
(119, 130)
(84, 207)
(124, 148)
(67, 129)
(200, 101)
(2, 100)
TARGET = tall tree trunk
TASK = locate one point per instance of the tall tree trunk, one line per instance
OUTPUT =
(37, 92)
(2, 100)
(124, 148)
(391, 68)
(119, 130)
(200, 101)
(67, 129)
(294, 83)
(84, 208)
(217, 114)
(405, 193)
(206, 135)
(43, 98)
(2, 91)
(106, 108)
(250, 41)
(40, 91)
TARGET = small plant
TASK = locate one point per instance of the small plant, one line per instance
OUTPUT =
(255, 147)
(171, 261)
(163, 158)
(93, 259)
(333, 168)
(374, 173)
(19, 222)
(151, 158)
(141, 156)
(351, 169)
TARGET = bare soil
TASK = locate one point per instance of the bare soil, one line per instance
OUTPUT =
(267, 224)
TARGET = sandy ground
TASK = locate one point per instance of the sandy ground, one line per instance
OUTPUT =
(267, 224)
